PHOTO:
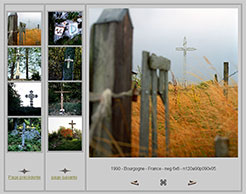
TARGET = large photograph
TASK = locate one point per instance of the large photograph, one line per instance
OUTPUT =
(164, 82)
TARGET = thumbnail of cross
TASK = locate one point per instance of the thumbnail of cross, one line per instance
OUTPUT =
(184, 49)
(68, 60)
(31, 96)
(17, 74)
(62, 110)
(72, 124)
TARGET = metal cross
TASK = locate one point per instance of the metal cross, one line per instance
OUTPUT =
(62, 110)
(18, 55)
(23, 135)
(185, 49)
(72, 124)
(68, 60)
(31, 96)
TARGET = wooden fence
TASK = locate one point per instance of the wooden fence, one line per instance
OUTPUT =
(12, 29)
(111, 90)
(152, 85)
(110, 73)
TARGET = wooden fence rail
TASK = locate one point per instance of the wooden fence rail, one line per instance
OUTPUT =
(152, 84)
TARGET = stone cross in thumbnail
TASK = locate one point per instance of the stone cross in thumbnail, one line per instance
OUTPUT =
(62, 110)
(18, 55)
(72, 124)
(68, 60)
(31, 96)
(68, 66)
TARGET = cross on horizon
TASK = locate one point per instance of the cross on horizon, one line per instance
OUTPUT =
(185, 49)
(62, 110)
(72, 124)
(68, 60)
(31, 96)
(17, 74)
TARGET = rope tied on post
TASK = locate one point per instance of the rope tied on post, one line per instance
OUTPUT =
(104, 108)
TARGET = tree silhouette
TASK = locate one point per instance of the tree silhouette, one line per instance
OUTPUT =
(14, 100)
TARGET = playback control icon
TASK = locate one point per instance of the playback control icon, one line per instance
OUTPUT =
(163, 182)
(191, 183)
(135, 183)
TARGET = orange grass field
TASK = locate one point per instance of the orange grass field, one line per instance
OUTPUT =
(197, 114)
(33, 37)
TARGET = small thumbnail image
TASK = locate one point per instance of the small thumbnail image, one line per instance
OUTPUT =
(65, 63)
(65, 98)
(24, 28)
(65, 134)
(24, 134)
(24, 99)
(65, 28)
(24, 64)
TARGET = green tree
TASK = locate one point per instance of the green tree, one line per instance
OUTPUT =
(29, 62)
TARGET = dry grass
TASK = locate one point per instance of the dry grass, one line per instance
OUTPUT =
(197, 115)
(33, 37)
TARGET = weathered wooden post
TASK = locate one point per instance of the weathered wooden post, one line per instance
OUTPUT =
(22, 33)
(226, 78)
(151, 84)
(144, 112)
(154, 83)
(221, 146)
(110, 68)
(163, 64)
(166, 103)
(12, 29)
(215, 78)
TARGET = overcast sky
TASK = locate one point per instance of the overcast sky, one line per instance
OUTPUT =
(31, 19)
(56, 122)
(212, 31)
(24, 88)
